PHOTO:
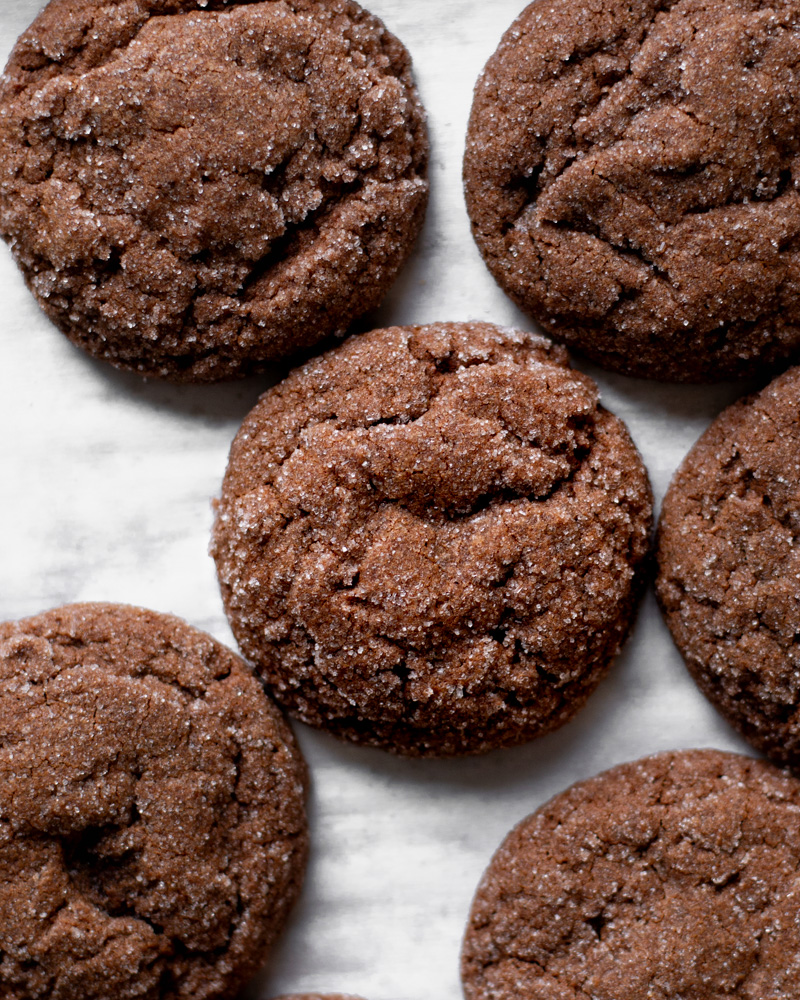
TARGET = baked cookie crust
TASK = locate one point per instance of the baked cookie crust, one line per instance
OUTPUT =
(673, 876)
(152, 825)
(430, 538)
(631, 175)
(194, 188)
(729, 566)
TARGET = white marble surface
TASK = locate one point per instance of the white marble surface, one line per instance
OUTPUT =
(105, 494)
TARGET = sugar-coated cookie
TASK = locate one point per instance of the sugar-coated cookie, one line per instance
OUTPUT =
(631, 175)
(152, 825)
(195, 187)
(429, 539)
(673, 876)
(729, 566)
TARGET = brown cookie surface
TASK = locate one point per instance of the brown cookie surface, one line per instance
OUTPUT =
(152, 826)
(729, 565)
(673, 876)
(428, 539)
(631, 175)
(194, 187)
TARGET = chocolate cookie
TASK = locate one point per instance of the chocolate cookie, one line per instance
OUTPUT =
(729, 566)
(152, 830)
(631, 174)
(428, 539)
(195, 187)
(674, 876)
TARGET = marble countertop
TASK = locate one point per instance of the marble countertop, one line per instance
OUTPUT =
(105, 494)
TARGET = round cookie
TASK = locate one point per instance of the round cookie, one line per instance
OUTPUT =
(729, 566)
(152, 827)
(195, 187)
(429, 539)
(631, 174)
(673, 876)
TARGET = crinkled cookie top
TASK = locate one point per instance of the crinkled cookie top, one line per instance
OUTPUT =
(674, 876)
(192, 187)
(631, 174)
(152, 829)
(429, 538)
(729, 565)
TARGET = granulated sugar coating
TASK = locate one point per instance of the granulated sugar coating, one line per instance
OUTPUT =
(674, 876)
(428, 539)
(152, 830)
(631, 174)
(192, 187)
(729, 566)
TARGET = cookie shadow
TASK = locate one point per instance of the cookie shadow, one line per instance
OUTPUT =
(212, 403)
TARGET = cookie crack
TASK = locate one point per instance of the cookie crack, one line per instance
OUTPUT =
(530, 183)
(283, 249)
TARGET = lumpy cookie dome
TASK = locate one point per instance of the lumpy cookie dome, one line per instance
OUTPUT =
(631, 175)
(193, 188)
(152, 826)
(729, 566)
(429, 539)
(674, 876)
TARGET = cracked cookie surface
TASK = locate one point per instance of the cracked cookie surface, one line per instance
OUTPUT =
(195, 187)
(729, 566)
(152, 825)
(429, 538)
(673, 876)
(631, 175)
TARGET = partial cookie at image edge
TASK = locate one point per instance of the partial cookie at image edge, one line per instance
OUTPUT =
(729, 566)
(175, 242)
(152, 805)
(678, 869)
(630, 176)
